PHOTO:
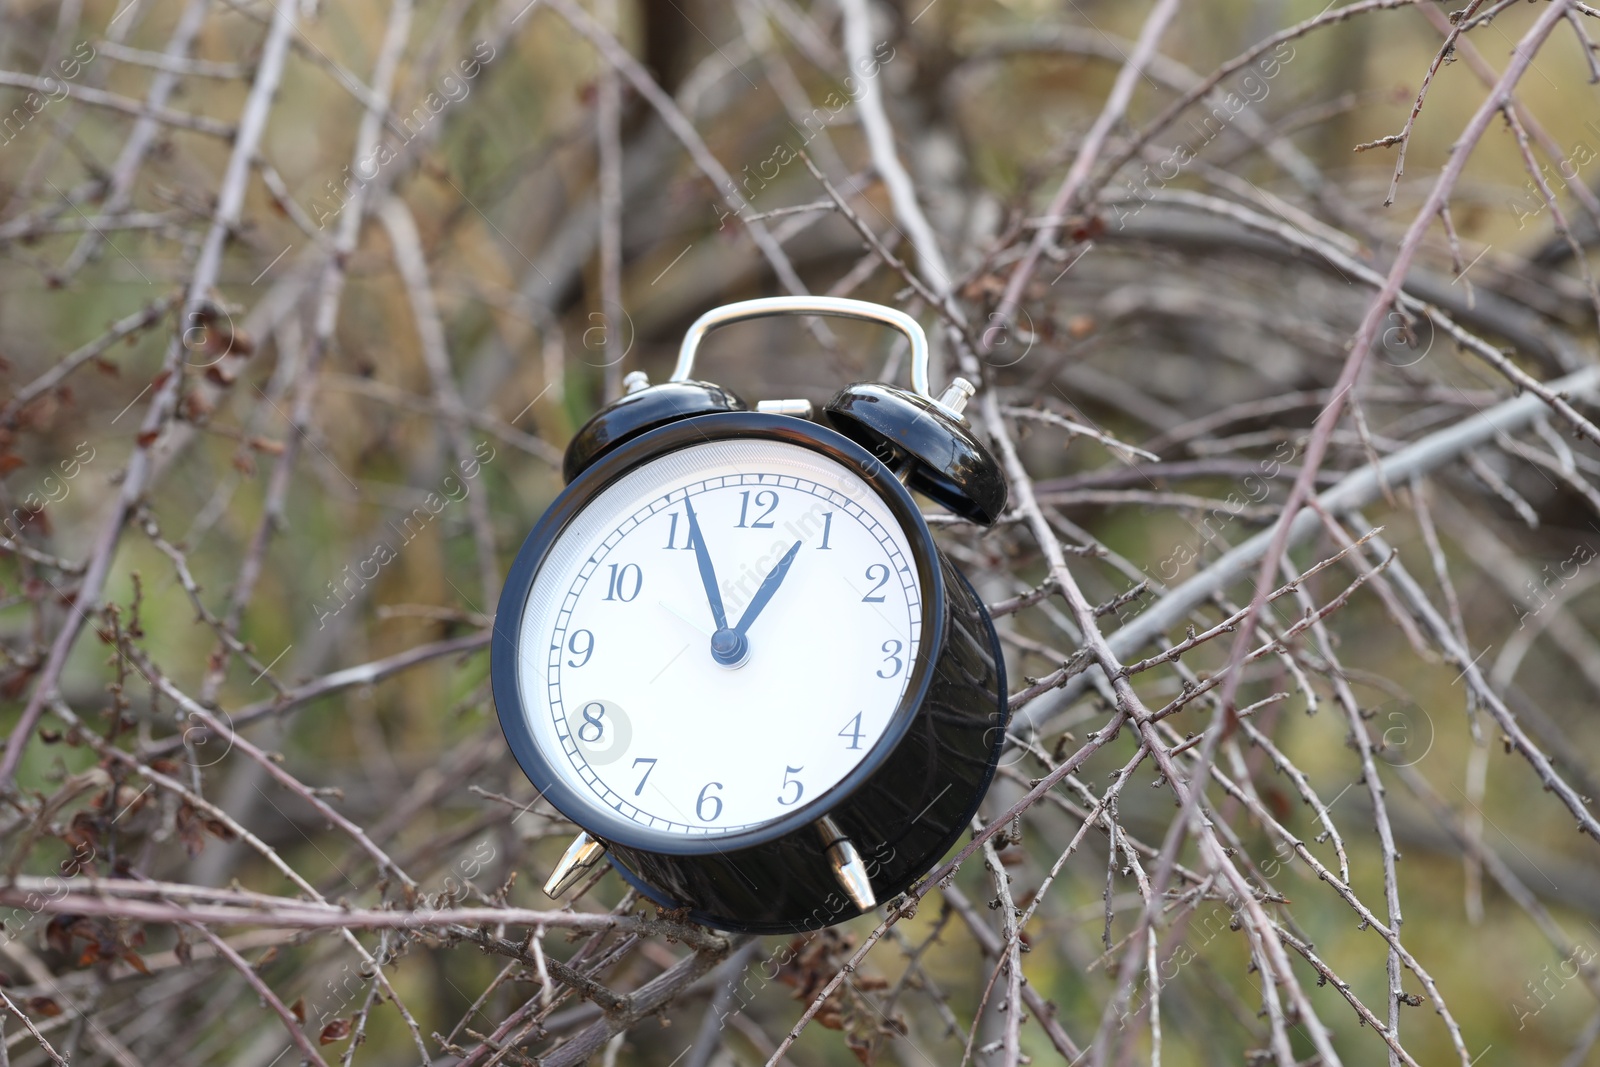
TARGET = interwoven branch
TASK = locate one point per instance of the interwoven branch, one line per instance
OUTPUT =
(302, 304)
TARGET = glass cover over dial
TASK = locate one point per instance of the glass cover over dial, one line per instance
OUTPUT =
(719, 637)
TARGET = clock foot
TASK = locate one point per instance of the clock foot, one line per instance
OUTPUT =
(848, 868)
(582, 854)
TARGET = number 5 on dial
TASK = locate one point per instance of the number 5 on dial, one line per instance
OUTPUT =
(799, 790)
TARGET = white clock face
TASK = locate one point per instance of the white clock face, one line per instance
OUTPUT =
(679, 711)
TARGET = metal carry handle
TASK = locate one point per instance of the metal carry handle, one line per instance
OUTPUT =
(837, 307)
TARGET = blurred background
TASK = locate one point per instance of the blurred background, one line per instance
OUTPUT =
(270, 274)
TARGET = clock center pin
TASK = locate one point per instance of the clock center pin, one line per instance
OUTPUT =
(730, 648)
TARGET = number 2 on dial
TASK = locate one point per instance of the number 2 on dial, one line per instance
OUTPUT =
(880, 574)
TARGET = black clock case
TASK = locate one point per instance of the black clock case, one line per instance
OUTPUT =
(903, 806)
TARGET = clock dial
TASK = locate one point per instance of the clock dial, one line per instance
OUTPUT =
(719, 637)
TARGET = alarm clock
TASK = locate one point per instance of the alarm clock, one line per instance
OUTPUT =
(732, 654)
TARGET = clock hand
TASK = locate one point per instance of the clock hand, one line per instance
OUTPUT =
(708, 576)
(728, 647)
(769, 586)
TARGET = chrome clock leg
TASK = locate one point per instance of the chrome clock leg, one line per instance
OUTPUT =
(847, 865)
(581, 855)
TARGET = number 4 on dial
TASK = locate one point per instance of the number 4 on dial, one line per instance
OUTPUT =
(852, 732)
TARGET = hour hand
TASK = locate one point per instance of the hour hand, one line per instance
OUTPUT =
(769, 586)
(708, 575)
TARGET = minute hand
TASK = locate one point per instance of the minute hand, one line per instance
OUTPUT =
(708, 576)
(769, 586)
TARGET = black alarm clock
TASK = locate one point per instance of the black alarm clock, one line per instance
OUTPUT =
(732, 653)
